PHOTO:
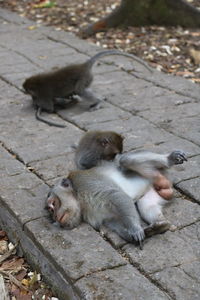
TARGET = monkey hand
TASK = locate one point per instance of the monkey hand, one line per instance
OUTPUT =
(163, 187)
(138, 234)
(177, 157)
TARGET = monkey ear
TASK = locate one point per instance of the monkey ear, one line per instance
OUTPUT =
(66, 182)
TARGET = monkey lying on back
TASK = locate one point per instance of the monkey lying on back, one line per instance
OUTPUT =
(49, 90)
(106, 194)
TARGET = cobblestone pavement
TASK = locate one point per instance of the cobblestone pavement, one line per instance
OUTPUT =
(153, 111)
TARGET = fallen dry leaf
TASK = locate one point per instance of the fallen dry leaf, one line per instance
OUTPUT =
(195, 54)
(3, 234)
(13, 265)
(3, 247)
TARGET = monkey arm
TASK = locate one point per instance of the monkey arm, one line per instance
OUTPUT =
(148, 164)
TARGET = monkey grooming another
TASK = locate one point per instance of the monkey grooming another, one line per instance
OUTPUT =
(108, 194)
(49, 90)
(96, 146)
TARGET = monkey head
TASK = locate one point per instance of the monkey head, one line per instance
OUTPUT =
(63, 206)
(110, 144)
(96, 146)
(30, 86)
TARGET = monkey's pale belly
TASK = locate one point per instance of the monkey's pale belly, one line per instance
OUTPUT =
(135, 187)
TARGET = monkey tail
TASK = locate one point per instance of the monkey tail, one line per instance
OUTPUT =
(93, 59)
(38, 117)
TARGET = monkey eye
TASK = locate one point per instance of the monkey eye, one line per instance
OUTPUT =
(104, 142)
(65, 182)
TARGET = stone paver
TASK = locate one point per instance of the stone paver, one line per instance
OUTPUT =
(153, 111)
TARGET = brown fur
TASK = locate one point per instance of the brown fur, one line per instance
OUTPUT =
(96, 146)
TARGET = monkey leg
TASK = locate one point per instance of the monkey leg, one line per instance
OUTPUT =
(46, 103)
(156, 228)
(89, 97)
(116, 226)
(65, 102)
(128, 218)
(150, 207)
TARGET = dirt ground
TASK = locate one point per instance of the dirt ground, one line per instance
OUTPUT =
(167, 49)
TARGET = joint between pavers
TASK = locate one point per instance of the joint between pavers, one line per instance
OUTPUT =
(184, 193)
(182, 180)
(188, 225)
(22, 55)
(10, 151)
(164, 86)
(18, 158)
(31, 220)
(64, 43)
(147, 276)
(73, 123)
(99, 270)
(10, 83)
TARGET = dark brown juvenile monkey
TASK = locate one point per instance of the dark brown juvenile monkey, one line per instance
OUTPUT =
(51, 89)
(108, 194)
(96, 146)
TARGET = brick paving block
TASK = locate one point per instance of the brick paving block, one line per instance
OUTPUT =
(24, 196)
(136, 130)
(73, 41)
(9, 165)
(80, 115)
(191, 188)
(55, 167)
(181, 212)
(76, 252)
(187, 128)
(122, 283)
(181, 281)
(13, 17)
(164, 114)
(49, 62)
(115, 240)
(174, 83)
(17, 68)
(48, 141)
(189, 170)
(108, 79)
(126, 95)
(173, 143)
(101, 68)
(21, 191)
(166, 250)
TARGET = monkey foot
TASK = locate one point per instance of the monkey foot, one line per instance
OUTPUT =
(156, 228)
